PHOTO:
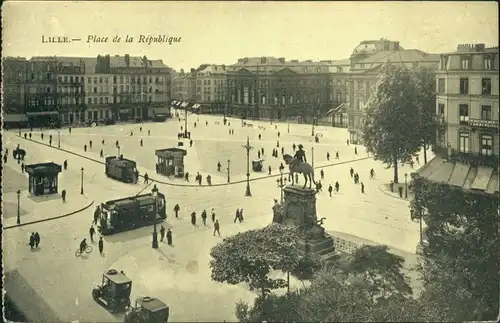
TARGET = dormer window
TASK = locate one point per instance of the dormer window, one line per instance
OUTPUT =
(465, 62)
(488, 63)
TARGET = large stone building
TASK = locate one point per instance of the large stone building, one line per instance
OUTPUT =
(366, 61)
(269, 87)
(70, 89)
(180, 87)
(211, 88)
(14, 83)
(339, 94)
(467, 103)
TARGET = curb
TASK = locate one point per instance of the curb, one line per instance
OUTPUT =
(194, 185)
(395, 197)
(50, 219)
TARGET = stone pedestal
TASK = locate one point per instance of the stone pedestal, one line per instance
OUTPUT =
(299, 210)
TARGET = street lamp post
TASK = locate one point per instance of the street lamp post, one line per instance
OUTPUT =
(185, 122)
(81, 186)
(58, 139)
(282, 183)
(118, 147)
(18, 206)
(228, 171)
(248, 148)
(406, 185)
(154, 243)
(312, 157)
(312, 131)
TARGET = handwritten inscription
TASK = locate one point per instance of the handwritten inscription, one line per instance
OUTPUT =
(104, 39)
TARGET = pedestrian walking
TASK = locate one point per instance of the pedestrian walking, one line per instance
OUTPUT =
(90, 144)
(362, 188)
(65, 165)
(241, 216)
(216, 227)
(22, 168)
(37, 239)
(131, 133)
(50, 142)
(41, 135)
(102, 142)
(96, 215)
(277, 143)
(328, 156)
(191, 143)
(294, 147)
(237, 215)
(32, 240)
(162, 233)
(262, 151)
(322, 173)
(193, 218)
(101, 245)
(213, 216)
(218, 166)
(282, 150)
(140, 129)
(347, 142)
(337, 187)
(330, 190)
(269, 170)
(356, 151)
(30, 135)
(25, 136)
(63, 196)
(260, 136)
(85, 148)
(69, 130)
(351, 171)
(258, 154)
(141, 143)
(91, 233)
(102, 153)
(176, 210)
(5, 158)
(149, 132)
(204, 217)
(146, 178)
(169, 237)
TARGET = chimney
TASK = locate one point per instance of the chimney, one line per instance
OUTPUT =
(480, 47)
(282, 60)
(127, 60)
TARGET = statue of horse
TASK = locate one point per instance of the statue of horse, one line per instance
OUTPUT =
(297, 166)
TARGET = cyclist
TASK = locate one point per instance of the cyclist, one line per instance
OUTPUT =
(83, 245)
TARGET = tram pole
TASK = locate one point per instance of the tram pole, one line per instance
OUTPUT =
(248, 148)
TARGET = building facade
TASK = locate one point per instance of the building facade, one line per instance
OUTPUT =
(366, 61)
(211, 84)
(180, 87)
(467, 101)
(70, 89)
(269, 87)
(339, 94)
(14, 84)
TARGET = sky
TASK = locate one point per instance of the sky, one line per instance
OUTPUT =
(221, 32)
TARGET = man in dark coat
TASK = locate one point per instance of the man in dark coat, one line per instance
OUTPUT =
(169, 237)
(162, 233)
(91, 233)
(96, 214)
(204, 217)
(216, 227)
(213, 215)
(330, 189)
(193, 218)
(63, 196)
(65, 165)
(36, 237)
(337, 186)
(176, 210)
(32, 240)
(101, 245)
(218, 166)
(237, 215)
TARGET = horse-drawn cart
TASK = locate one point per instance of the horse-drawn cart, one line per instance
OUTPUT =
(257, 165)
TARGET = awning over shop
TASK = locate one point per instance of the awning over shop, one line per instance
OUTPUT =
(161, 111)
(196, 106)
(14, 118)
(42, 113)
(465, 176)
(184, 104)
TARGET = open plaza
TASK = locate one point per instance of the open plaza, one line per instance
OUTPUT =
(51, 283)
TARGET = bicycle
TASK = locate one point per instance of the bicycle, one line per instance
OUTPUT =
(88, 249)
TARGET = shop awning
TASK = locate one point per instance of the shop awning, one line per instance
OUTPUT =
(42, 113)
(184, 104)
(178, 103)
(14, 118)
(196, 106)
(161, 111)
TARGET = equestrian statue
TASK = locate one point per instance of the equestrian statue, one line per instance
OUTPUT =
(297, 166)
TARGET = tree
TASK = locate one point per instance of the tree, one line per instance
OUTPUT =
(463, 238)
(252, 255)
(425, 93)
(387, 124)
(383, 270)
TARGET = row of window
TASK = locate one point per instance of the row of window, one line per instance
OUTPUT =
(464, 114)
(466, 62)
(485, 143)
(125, 79)
(464, 86)
(209, 82)
(246, 98)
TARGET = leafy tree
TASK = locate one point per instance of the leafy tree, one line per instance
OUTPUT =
(383, 270)
(388, 130)
(463, 238)
(252, 255)
(425, 94)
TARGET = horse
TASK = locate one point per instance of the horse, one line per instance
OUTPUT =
(297, 166)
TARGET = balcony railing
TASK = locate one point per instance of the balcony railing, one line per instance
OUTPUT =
(483, 123)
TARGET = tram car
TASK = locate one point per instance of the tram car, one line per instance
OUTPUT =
(131, 213)
(121, 169)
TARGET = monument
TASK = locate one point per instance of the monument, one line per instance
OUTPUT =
(299, 210)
